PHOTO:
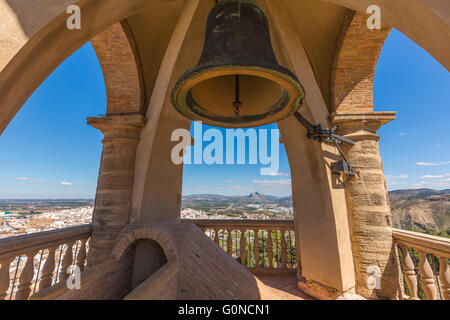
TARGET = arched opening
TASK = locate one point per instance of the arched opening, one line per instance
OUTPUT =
(149, 257)
(237, 188)
(414, 148)
(51, 157)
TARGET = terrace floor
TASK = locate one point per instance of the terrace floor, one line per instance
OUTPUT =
(281, 288)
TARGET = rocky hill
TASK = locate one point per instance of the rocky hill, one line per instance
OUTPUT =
(257, 196)
(421, 209)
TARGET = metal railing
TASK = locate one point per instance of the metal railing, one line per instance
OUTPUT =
(425, 264)
(263, 246)
(36, 261)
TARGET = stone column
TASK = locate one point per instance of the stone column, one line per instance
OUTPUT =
(115, 181)
(368, 205)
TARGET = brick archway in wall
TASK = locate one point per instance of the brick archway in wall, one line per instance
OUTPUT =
(354, 66)
(133, 233)
(121, 67)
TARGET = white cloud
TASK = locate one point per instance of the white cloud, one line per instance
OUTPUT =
(395, 183)
(273, 183)
(431, 185)
(66, 183)
(401, 134)
(428, 176)
(278, 174)
(27, 180)
(434, 164)
(281, 187)
(400, 176)
(234, 187)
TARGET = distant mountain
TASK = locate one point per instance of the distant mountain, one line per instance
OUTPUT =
(416, 193)
(254, 195)
(241, 206)
(257, 196)
(412, 209)
(421, 209)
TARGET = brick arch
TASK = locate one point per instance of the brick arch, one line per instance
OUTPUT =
(355, 64)
(120, 63)
(133, 233)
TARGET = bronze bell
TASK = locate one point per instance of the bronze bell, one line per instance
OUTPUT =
(237, 82)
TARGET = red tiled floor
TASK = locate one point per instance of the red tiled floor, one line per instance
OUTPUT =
(280, 288)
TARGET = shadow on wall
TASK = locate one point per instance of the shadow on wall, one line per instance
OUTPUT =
(25, 12)
(149, 257)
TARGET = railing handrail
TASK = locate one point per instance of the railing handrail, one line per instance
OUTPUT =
(206, 223)
(17, 245)
(433, 244)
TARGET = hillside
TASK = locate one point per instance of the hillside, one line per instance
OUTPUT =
(421, 209)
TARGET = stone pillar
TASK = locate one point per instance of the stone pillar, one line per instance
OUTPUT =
(115, 181)
(368, 205)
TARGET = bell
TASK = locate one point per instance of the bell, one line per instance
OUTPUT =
(238, 81)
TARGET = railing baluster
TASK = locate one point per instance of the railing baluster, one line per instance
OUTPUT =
(283, 249)
(242, 247)
(229, 242)
(66, 262)
(291, 251)
(38, 271)
(426, 274)
(249, 250)
(256, 247)
(48, 269)
(409, 271)
(4, 277)
(216, 235)
(81, 256)
(264, 248)
(15, 276)
(24, 288)
(277, 250)
(444, 277)
(270, 248)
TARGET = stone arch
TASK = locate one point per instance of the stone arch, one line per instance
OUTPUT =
(426, 22)
(133, 233)
(121, 68)
(354, 66)
(39, 41)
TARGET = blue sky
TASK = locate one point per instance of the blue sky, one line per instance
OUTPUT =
(48, 151)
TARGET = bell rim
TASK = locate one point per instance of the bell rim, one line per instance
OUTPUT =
(249, 2)
(280, 75)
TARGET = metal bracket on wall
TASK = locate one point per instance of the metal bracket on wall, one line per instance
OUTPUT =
(328, 136)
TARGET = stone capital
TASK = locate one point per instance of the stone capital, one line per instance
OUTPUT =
(361, 126)
(125, 126)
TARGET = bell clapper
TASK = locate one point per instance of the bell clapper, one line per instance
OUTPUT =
(237, 104)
